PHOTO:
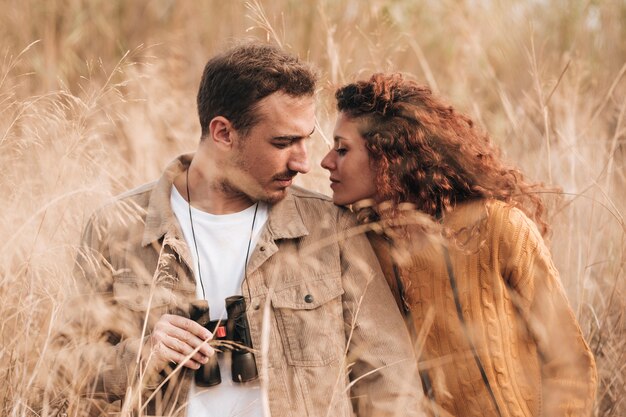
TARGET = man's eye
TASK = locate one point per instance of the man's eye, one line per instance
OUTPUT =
(341, 151)
(281, 145)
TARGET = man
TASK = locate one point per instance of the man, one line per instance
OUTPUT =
(325, 333)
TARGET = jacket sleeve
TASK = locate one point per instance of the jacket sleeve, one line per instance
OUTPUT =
(567, 364)
(99, 345)
(384, 376)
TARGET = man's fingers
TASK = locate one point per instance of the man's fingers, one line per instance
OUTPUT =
(187, 325)
(170, 355)
(191, 339)
(168, 330)
(184, 349)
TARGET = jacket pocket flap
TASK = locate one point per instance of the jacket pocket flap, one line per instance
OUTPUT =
(308, 295)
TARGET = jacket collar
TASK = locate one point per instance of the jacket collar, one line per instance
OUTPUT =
(160, 218)
(284, 220)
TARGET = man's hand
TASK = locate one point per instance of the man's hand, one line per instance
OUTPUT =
(175, 337)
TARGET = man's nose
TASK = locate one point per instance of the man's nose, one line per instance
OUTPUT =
(299, 160)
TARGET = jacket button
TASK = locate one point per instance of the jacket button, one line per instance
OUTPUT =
(262, 248)
(256, 305)
(308, 298)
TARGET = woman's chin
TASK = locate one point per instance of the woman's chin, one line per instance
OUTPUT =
(340, 202)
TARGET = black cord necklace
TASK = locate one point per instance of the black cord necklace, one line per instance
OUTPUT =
(195, 244)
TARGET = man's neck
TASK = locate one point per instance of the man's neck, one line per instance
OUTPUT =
(209, 194)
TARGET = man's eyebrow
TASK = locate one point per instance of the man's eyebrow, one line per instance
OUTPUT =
(293, 137)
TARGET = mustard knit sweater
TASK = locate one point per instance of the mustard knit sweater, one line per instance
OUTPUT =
(524, 331)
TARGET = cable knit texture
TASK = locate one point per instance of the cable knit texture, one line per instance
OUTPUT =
(516, 310)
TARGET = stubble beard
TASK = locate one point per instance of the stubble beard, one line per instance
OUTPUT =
(242, 181)
(247, 186)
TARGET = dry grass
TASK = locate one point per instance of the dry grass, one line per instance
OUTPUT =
(106, 96)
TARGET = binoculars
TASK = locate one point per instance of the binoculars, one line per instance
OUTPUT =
(243, 364)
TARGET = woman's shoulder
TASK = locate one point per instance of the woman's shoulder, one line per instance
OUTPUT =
(487, 211)
(491, 220)
(511, 230)
(506, 216)
(467, 214)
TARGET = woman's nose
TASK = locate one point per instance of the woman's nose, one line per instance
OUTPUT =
(328, 162)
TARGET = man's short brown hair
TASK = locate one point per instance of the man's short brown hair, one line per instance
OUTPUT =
(234, 82)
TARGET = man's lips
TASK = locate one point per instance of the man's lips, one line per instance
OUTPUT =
(285, 178)
(284, 181)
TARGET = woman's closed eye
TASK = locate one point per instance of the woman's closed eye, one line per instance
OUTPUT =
(341, 151)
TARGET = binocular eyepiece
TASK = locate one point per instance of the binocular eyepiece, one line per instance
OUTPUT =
(243, 366)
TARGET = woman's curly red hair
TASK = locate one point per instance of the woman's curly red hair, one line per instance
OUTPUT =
(428, 154)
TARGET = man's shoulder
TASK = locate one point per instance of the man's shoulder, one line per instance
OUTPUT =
(317, 201)
(315, 207)
(140, 194)
(304, 193)
(131, 204)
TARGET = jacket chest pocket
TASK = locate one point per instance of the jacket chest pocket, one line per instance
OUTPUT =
(309, 315)
(141, 297)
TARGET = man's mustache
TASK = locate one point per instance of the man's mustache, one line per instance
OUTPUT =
(285, 176)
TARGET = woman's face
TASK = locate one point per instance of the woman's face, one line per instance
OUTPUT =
(352, 176)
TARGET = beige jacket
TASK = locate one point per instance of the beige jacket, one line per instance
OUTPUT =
(517, 314)
(337, 344)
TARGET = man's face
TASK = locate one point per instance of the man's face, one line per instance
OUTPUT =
(265, 161)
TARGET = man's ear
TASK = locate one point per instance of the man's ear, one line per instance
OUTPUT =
(221, 132)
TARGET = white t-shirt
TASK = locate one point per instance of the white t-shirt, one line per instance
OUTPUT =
(222, 242)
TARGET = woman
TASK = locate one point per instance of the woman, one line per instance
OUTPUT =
(459, 236)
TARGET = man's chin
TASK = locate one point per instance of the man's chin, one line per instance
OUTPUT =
(255, 193)
(274, 197)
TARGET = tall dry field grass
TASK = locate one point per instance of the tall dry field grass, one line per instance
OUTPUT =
(97, 96)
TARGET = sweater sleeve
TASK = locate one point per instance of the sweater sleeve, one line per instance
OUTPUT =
(567, 364)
